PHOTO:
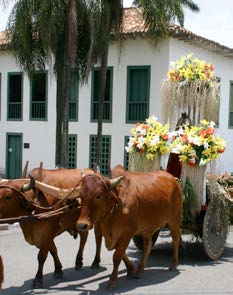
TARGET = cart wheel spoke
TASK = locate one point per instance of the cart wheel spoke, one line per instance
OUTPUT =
(215, 228)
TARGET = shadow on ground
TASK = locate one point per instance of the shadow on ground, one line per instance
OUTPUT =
(156, 272)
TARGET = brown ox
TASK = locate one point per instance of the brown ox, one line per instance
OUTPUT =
(42, 233)
(142, 204)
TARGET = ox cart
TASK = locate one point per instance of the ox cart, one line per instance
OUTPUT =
(208, 222)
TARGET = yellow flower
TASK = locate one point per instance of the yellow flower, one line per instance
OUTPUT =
(198, 145)
(190, 69)
(150, 138)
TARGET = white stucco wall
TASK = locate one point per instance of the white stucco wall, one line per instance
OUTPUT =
(41, 135)
(133, 53)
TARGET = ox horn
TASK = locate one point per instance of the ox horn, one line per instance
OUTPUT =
(114, 182)
(28, 186)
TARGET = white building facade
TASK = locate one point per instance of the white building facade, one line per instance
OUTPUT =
(28, 122)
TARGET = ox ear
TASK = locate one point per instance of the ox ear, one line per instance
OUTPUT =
(114, 182)
(28, 186)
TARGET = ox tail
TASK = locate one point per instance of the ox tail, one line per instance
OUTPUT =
(1, 272)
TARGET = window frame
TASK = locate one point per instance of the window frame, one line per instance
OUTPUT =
(46, 97)
(76, 145)
(76, 77)
(129, 69)
(90, 147)
(8, 93)
(96, 69)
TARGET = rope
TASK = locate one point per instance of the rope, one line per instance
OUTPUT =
(40, 216)
(34, 203)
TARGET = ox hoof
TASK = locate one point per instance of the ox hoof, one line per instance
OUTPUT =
(37, 284)
(95, 265)
(78, 265)
(130, 275)
(138, 275)
(173, 268)
(58, 274)
(112, 286)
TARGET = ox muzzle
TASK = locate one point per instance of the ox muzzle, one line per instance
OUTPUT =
(84, 224)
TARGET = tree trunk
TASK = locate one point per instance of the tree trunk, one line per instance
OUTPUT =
(60, 108)
(69, 57)
(102, 87)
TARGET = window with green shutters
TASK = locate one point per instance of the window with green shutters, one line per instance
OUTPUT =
(72, 151)
(105, 153)
(107, 111)
(15, 96)
(38, 106)
(231, 105)
(73, 104)
(138, 93)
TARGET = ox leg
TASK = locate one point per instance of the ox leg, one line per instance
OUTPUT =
(38, 281)
(147, 244)
(117, 258)
(175, 234)
(79, 257)
(130, 267)
(58, 273)
(98, 241)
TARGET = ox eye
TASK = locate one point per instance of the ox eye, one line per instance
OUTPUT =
(8, 197)
(99, 197)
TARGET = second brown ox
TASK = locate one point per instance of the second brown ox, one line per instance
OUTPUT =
(41, 233)
(141, 204)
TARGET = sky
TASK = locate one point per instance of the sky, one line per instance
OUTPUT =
(214, 21)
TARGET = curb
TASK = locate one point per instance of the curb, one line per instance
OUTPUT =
(4, 226)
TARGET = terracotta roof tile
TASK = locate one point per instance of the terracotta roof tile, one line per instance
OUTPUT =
(133, 21)
(4, 42)
(134, 26)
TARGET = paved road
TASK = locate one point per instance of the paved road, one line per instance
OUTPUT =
(196, 274)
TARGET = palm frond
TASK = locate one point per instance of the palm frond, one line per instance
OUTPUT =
(158, 14)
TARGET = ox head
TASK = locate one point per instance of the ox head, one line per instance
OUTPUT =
(12, 201)
(97, 200)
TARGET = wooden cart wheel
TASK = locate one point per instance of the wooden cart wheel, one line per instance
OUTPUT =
(138, 240)
(215, 228)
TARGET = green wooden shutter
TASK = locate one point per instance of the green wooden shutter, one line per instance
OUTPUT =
(138, 93)
(15, 96)
(73, 104)
(72, 151)
(105, 153)
(38, 106)
(107, 112)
